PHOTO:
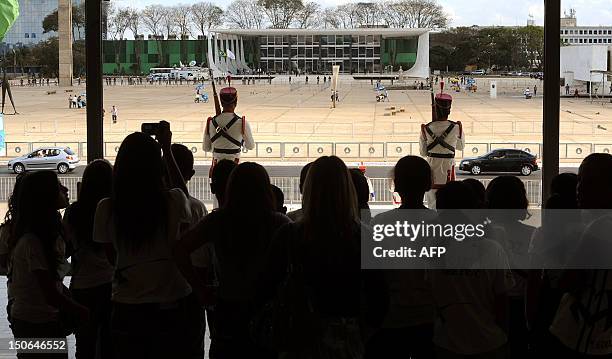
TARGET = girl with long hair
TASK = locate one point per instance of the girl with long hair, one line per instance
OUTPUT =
(240, 233)
(325, 244)
(153, 311)
(92, 272)
(36, 257)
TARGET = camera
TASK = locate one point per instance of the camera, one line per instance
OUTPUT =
(150, 128)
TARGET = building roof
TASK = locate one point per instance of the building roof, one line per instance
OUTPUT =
(385, 32)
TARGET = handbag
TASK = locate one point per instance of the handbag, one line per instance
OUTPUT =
(288, 322)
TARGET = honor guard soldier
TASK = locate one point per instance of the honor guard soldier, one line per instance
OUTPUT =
(227, 133)
(438, 142)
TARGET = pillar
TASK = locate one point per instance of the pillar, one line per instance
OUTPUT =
(64, 15)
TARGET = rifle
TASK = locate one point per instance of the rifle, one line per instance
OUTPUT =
(434, 113)
(215, 96)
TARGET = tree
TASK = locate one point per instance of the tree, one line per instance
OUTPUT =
(426, 14)
(133, 20)
(348, 16)
(49, 65)
(50, 22)
(368, 14)
(152, 17)
(309, 16)
(281, 13)
(245, 14)
(206, 15)
(329, 19)
(182, 17)
(168, 22)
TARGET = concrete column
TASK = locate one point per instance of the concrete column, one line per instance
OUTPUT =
(65, 42)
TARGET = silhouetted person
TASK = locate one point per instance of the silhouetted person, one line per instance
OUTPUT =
(507, 201)
(325, 244)
(470, 302)
(92, 272)
(37, 264)
(202, 257)
(154, 311)
(239, 251)
(219, 178)
(363, 194)
(563, 192)
(297, 214)
(5, 227)
(279, 200)
(478, 190)
(410, 317)
(588, 290)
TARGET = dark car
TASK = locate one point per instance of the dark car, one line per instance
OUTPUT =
(501, 160)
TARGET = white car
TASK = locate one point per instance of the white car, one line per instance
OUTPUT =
(61, 159)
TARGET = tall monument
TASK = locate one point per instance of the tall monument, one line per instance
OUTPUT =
(64, 21)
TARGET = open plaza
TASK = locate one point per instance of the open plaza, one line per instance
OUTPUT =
(295, 121)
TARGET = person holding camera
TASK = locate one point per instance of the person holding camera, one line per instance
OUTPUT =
(227, 133)
(154, 312)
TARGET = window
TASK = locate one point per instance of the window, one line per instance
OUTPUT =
(33, 35)
(590, 32)
(27, 35)
(590, 41)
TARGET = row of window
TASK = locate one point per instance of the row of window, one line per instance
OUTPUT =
(30, 35)
(322, 52)
(587, 32)
(322, 39)
(346, 66)
(588, 41)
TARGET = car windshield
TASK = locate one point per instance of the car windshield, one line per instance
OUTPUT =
(69, 151)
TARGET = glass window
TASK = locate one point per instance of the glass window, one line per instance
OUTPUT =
(33, 35)
(339, 52)
(308, 52)
(278, 52)
(323, 40)
(301, 40)
(301, 51)
(370, 39)
(309, 40)
(370, 53)
(27, 35)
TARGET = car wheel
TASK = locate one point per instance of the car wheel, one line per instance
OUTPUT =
(475, 170)
(62, 168)
(18, 168)
(526, 170)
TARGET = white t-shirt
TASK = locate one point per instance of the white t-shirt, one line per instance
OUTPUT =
(569, 324)
(150, 276)
(90, 265)
(465, 302)
(29, 301)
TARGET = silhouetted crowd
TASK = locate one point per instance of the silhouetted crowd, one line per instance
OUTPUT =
(151, 268)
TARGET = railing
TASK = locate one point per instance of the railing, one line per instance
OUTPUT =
(199, 187)
(350, 151)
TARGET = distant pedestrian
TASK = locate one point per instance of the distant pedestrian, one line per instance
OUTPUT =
(69, 101)
(114, 113)
(535, 90)
(611, 89)
(307, 80)
(567, 89)
(289, 79)
(318, 79)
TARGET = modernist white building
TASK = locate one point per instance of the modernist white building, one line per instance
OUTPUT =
(356, 51)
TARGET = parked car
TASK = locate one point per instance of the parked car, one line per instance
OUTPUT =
(501, 160)
(62, 159)
(479, 72)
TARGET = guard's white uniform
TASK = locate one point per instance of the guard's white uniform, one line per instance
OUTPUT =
(438, 142)
(225, 135)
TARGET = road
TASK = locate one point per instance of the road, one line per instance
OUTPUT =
(294, 171)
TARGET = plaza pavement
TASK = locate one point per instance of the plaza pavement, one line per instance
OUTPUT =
(300, 113)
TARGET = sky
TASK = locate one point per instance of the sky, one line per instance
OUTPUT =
(479, 12)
